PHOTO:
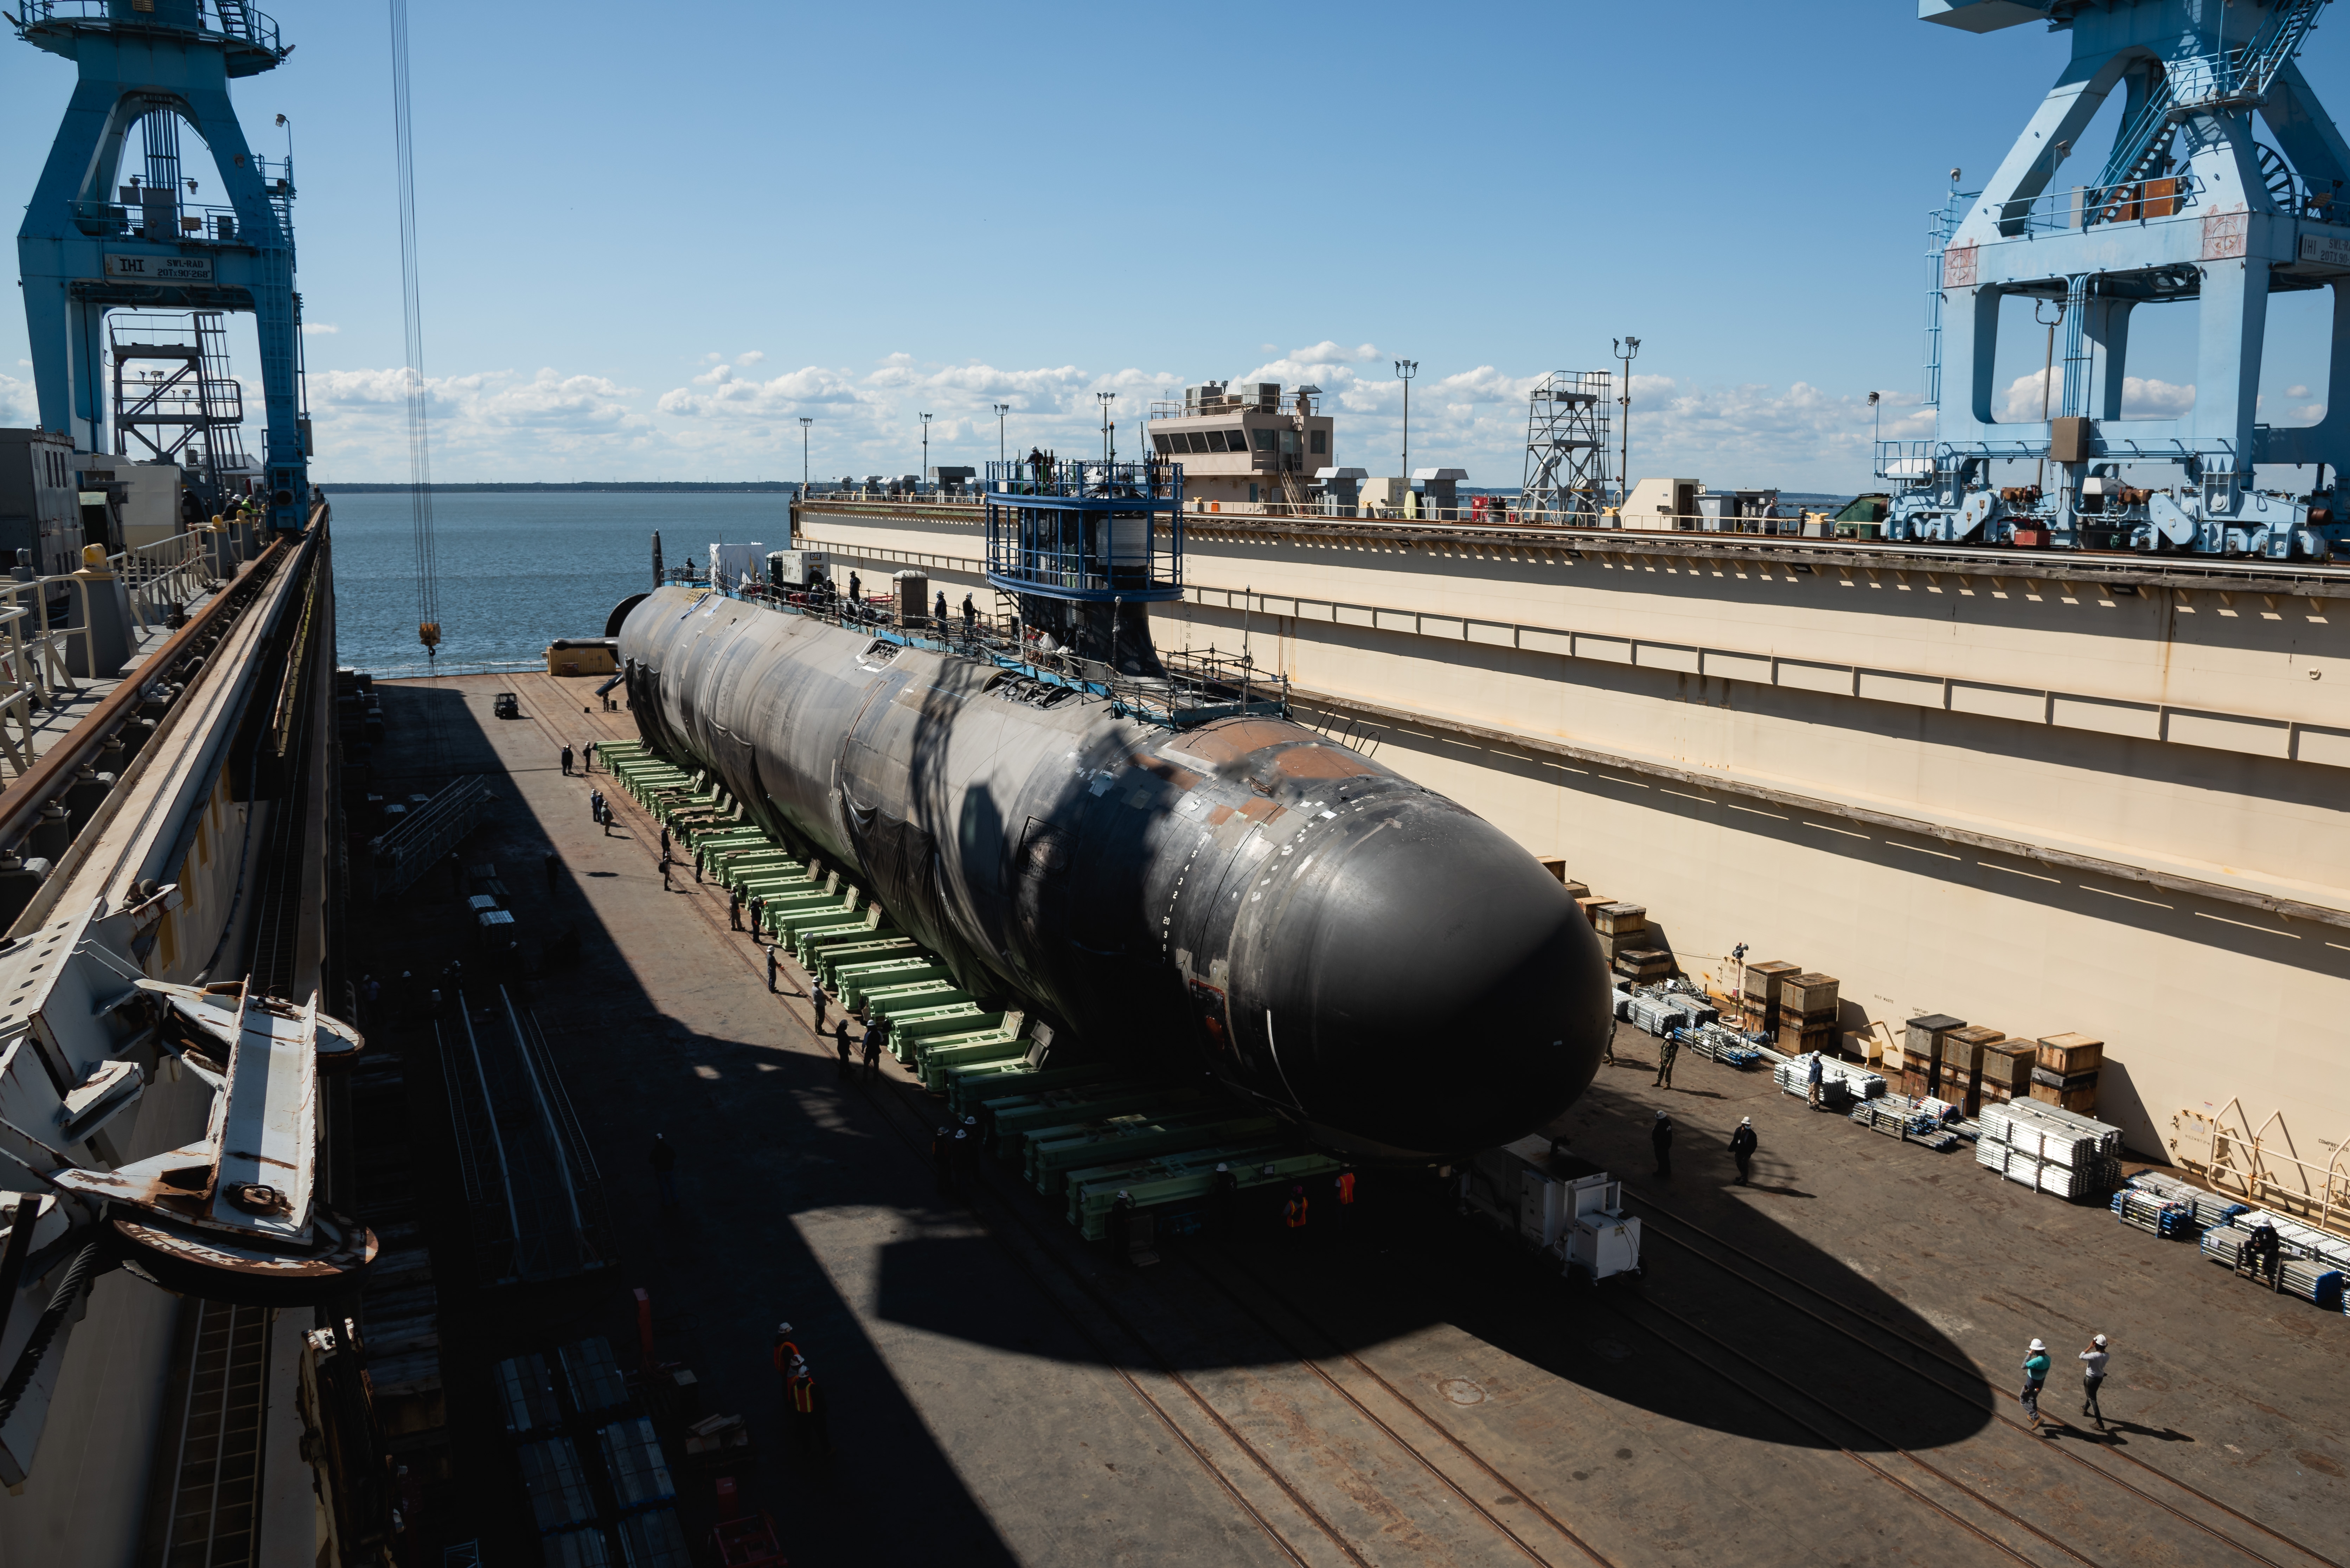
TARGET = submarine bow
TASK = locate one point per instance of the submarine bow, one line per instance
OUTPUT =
(1243, 897)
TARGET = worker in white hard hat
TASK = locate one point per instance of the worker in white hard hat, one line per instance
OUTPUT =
(2093, 1377)
(2035, 1378)
(1741, 1147)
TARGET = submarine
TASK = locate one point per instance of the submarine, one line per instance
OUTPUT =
(1184, 885)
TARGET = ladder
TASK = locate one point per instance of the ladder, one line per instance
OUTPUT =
(1293, 494)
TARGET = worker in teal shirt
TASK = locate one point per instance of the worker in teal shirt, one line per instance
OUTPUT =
(2035, 1376)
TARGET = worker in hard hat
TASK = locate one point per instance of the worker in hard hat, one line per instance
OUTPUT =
(2035, 1378)
(2093, 1378)
(1741, 1147)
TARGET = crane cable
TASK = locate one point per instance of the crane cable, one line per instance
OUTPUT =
(419, 453)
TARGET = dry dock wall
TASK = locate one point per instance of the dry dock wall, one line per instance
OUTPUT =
(2038, 802)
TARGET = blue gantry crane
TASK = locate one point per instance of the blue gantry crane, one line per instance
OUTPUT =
(103, 233)
(2189, 203)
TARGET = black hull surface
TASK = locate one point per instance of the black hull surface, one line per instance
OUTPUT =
(1243, 897)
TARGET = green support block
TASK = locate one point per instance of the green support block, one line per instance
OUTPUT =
(940, 1057)
(776, 909)
(1051, 1159)
(798, 914)
(916, 1024)
(1187, 1178)
(855, 980)
(993, 1087)
(807, 938)
(1086, 1103)
(836, 958)
(888, 1001)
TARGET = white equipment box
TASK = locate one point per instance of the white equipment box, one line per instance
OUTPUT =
(1557, 1204)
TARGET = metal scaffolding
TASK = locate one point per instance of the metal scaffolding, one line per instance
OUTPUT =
(186, 413)
(1567, 450)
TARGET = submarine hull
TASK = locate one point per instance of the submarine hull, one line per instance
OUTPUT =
(1243, 897)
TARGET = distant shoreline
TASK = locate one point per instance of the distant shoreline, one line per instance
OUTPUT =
(579, 487)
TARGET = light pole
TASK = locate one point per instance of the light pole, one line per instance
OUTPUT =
(1001, 410)
(1405, 371)
(805, 421)
(1627, 349)
(925, 477)
(1107, 400)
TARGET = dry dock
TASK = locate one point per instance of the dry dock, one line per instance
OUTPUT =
(1818, 1368)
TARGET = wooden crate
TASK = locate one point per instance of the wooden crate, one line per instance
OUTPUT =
(1991, 1094)
(1964, 1047)
(1590, 905)
(1620, 919)
(1576, 890)
(1554, 863)
(2009, 1065)
(1645, 963)
(2049, 1080)
(1614, 946)
(2083, 1100)
(2069, 1053)
(1763, 980)
(1966, 1094)
(1923, 1036)
(1810, 994)
(1797, 1038)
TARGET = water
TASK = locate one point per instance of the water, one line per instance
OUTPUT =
(515, 571)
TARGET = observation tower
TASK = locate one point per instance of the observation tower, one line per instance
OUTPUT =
(1079, 543)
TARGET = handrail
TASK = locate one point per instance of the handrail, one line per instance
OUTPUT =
(257, 27)
(21, 802)
(35, 663)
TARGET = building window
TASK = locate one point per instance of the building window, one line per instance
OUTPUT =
(1251, 492)
(1321, 442)
(1200, 441)
(1267, 440)
(1163, 443)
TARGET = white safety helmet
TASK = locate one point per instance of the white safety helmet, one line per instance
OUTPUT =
(2099, 1340)
(2037, 1345)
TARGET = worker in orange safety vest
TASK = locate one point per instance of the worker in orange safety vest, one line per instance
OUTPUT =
(1293, 1214)
(807, 1411)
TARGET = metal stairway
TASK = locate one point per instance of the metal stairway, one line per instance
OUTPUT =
(2232, 79)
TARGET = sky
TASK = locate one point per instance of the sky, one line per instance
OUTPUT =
(652, 239)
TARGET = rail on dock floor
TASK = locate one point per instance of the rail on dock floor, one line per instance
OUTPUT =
(1081, 1132)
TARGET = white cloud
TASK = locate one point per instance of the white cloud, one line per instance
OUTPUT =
(2296, 392)
(1328, 353)
(320, 328)
(18, 405)
(2143, 397)
(486, 424)
(730, 419)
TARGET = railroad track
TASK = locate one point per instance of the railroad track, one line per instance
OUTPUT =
(1414, 1440)
(1121, 1343)
(1873, 1335)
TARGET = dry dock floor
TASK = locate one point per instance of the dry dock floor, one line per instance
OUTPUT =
(1818, 1369)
